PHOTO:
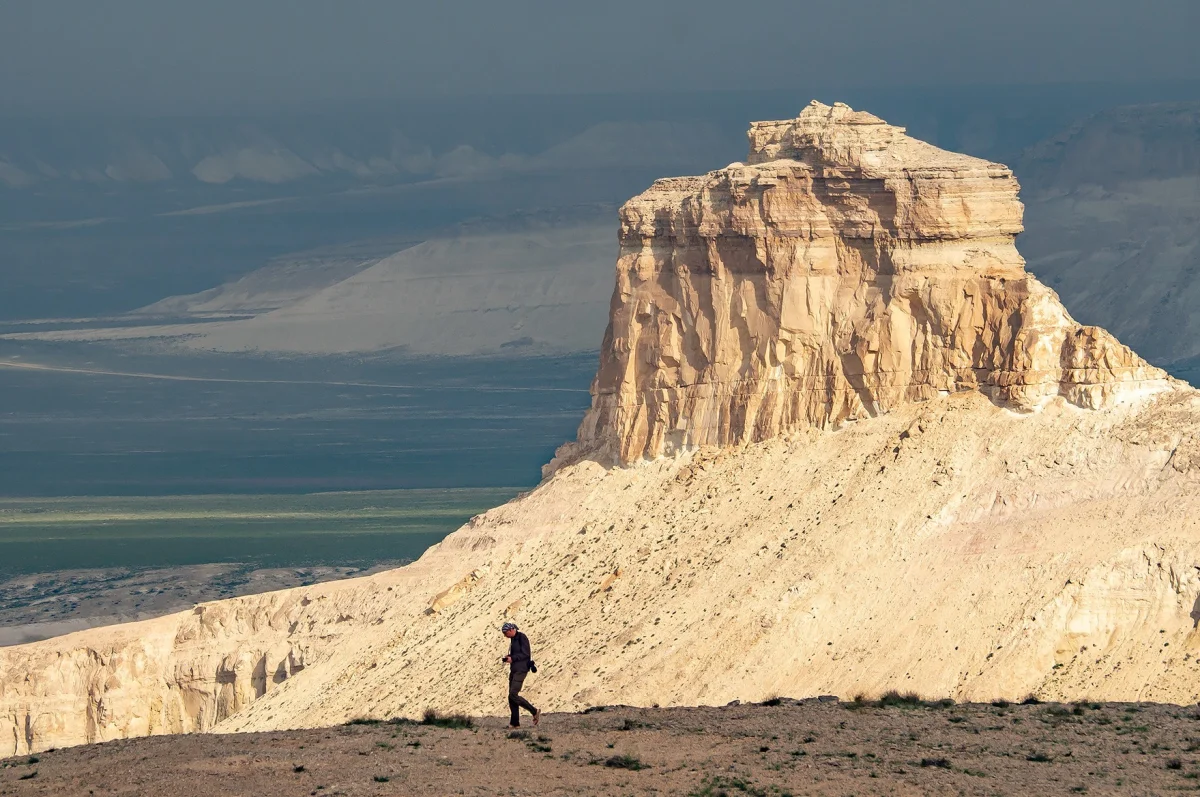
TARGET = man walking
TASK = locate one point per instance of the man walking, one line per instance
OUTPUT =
(520, 663)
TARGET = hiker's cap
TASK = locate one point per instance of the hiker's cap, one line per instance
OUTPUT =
(508, 627)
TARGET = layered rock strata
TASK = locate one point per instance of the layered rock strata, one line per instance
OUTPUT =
(843, 270)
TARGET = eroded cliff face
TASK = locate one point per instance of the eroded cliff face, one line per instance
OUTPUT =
(844, 270)
(180, 673)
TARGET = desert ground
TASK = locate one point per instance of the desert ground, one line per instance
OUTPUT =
(809, 747)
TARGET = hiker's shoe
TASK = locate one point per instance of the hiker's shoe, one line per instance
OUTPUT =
(537, 715)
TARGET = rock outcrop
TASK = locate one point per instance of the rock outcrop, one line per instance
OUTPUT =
(1018, 515)
(843, 270)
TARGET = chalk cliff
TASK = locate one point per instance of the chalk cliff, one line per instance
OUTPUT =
(1016, 510)
(843, 270)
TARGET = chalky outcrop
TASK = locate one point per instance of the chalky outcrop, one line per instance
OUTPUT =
(844, 270)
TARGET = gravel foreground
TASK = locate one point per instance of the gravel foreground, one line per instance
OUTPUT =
(783, 747)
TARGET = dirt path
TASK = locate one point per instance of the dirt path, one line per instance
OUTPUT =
(793, 748)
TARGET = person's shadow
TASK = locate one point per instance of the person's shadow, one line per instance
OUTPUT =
(1195, 614)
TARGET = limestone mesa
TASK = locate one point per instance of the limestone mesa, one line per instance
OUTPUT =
(843, 270)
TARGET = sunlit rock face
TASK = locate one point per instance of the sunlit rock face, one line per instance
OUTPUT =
(843, 270)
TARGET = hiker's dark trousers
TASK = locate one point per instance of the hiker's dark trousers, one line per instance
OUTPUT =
(515, 702)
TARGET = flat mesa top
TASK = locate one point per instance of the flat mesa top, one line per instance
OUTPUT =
(839, 137)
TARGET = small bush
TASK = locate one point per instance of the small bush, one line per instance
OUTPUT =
(719, 786)
(364, 721)
(381, 778)
(298, 768)
(941, 763)
(1030, 700)
(895, 698)
(624, 762)
(1174, 763)
(1001, 703)
(1040, 758)
(522, 735)
(773, 701)
(447, 720)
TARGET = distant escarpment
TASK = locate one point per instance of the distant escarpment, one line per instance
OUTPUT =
(844, 270)
(1113, 225)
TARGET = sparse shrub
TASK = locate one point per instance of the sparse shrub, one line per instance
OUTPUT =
(1030, 700)
(381, 778)
(364, 721)
(940, 763)
(721, 786)
(1174, 763)
(29, 776)
(895, 698)
(1039, 757)
(773, 701)
(522, 735)
(624, 762)
(1001, 703)
(298, 768)
(446, 720)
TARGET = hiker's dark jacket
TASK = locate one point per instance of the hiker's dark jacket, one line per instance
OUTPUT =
(518, 649)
